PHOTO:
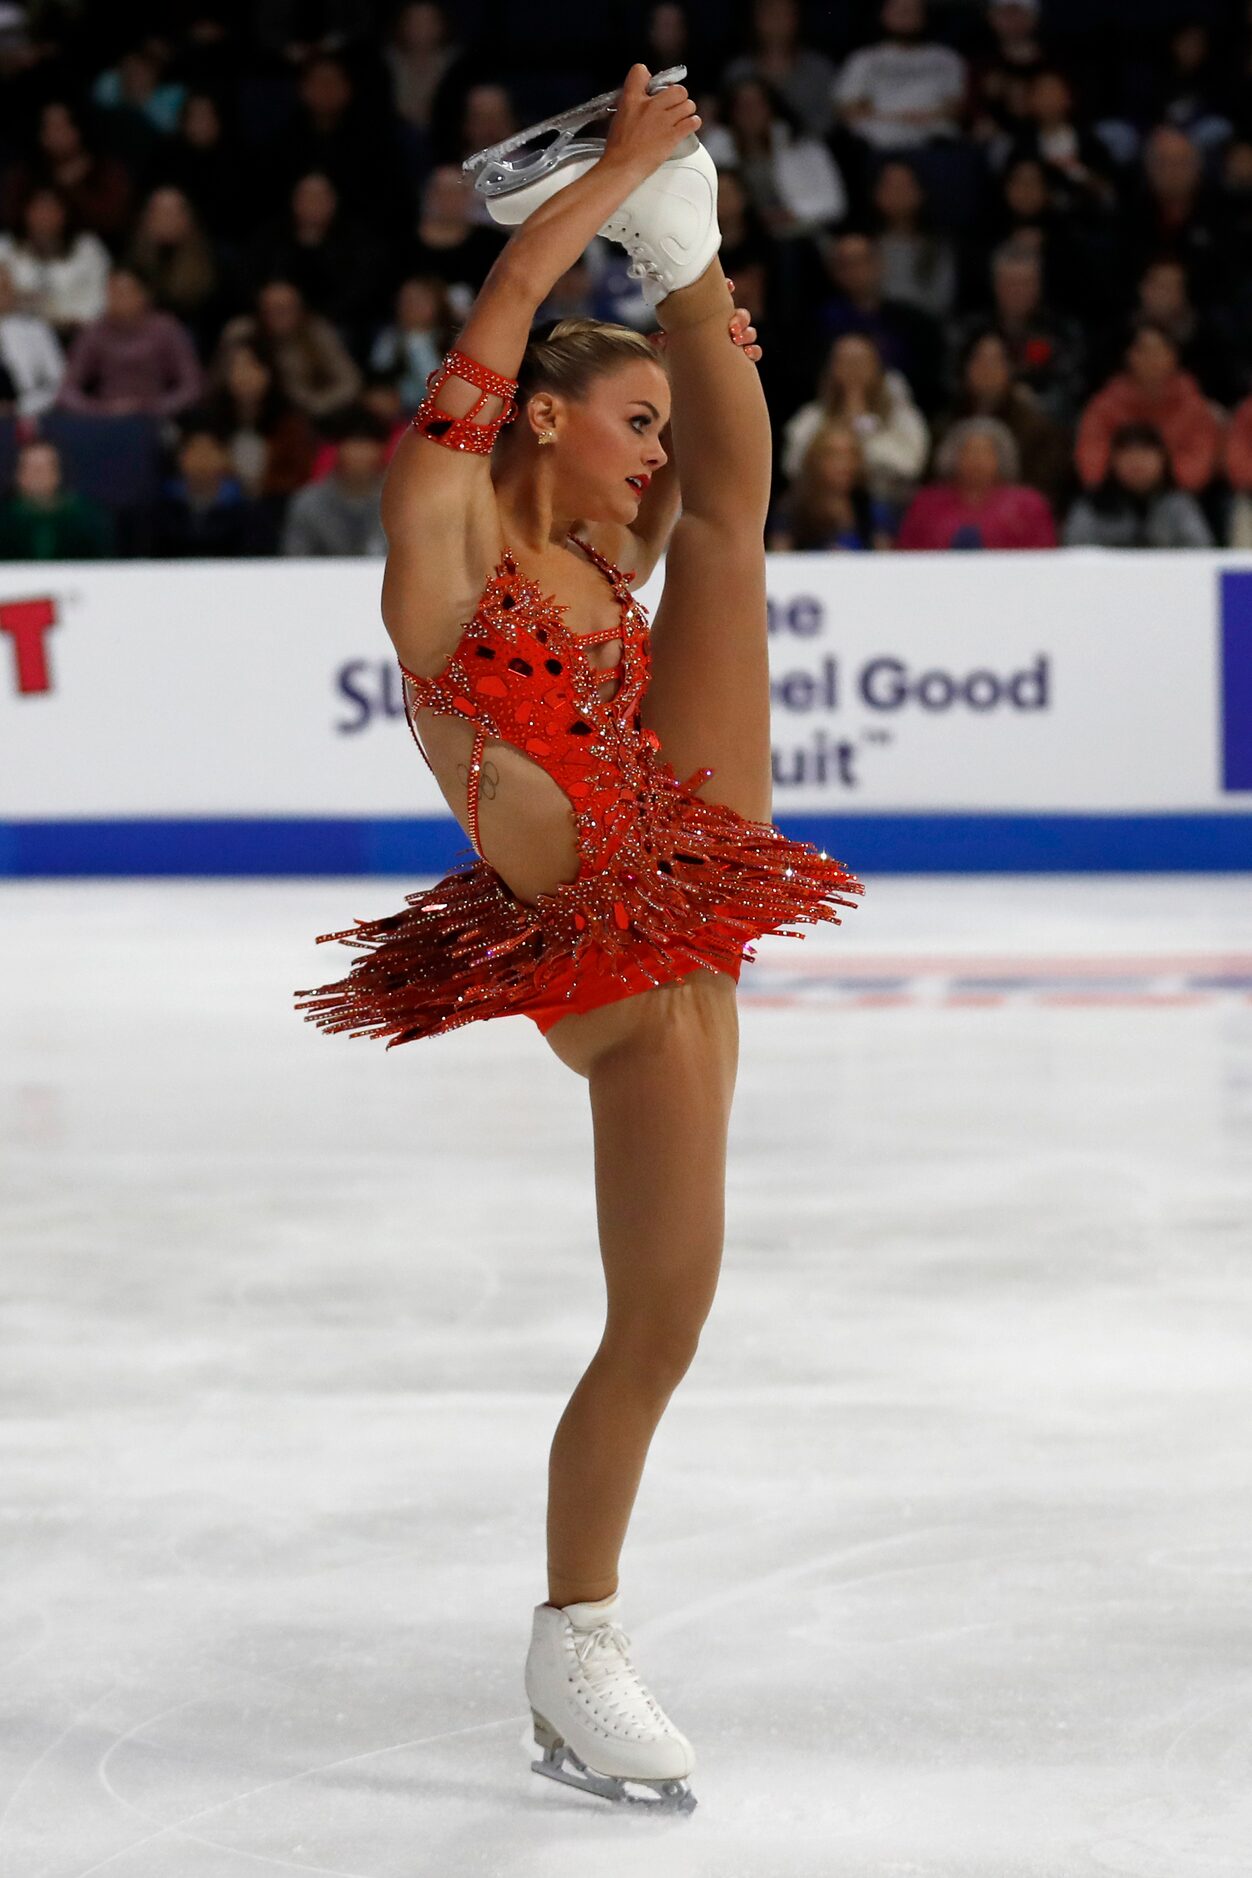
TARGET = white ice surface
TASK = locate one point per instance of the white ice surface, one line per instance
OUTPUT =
(943, 1555)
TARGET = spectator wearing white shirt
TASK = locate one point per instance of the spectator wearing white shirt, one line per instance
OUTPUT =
(905, 90)
(877, 406)
(32, 363)
(59, 273)
(792, 180)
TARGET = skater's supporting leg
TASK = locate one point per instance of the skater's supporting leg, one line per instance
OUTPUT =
(709, 697)
(660, 1110)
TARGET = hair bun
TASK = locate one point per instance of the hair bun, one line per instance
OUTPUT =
(568, 355)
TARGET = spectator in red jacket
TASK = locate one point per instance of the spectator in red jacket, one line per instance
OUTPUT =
(1154, 390)
(979, 503)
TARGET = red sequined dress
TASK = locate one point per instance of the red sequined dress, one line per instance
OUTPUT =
(666, 882)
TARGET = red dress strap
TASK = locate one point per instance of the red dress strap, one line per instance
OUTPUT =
(473, 785)
(465, 433)
(474, 778)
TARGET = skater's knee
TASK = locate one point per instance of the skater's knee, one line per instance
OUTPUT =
(649, 1360)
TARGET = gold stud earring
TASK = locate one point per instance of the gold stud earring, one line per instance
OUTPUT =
(547, 436)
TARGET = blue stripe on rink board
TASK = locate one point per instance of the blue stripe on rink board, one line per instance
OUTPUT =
(1237, 679)
(868, 844)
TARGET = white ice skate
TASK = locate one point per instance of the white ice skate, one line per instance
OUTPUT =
(514, 167)
(668, 225)
(590, 1706)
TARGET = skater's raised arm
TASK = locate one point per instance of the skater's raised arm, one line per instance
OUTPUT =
(644, 132)
(438, 510)
(646, 129)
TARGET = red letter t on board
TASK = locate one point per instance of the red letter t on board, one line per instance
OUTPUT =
(28, 621)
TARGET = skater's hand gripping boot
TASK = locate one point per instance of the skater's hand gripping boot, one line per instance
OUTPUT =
(668, 221)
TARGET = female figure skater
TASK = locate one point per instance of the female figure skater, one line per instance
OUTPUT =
(611, 902)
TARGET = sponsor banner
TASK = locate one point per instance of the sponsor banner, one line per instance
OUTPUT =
(1037, 688)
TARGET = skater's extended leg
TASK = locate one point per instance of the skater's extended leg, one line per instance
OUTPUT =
(709, 697)
(660, 1102)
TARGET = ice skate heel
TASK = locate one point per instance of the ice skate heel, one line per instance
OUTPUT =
(546, 1735)
(522, 171)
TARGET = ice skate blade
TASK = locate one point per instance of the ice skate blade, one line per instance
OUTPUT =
(667, 1796)
(512, 164)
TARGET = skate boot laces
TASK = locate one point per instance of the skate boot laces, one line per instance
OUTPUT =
(604, 1660)
(643, 269)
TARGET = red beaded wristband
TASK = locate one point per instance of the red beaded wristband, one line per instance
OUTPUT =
(464, 433)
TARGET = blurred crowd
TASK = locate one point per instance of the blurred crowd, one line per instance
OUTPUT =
(999, 254)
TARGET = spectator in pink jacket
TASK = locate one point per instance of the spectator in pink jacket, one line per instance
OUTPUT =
(979, 502)
(132, 359)
(1153, 390)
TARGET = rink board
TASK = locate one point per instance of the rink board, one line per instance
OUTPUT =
(937, 713)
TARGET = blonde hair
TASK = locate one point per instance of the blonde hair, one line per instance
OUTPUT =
(809, 506)
(830, 429)
(568, 355)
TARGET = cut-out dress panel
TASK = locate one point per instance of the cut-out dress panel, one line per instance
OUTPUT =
(667, 882)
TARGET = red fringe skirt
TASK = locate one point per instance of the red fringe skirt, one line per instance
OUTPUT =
(692, 884)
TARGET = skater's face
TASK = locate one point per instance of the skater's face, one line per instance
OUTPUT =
(608, 442)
